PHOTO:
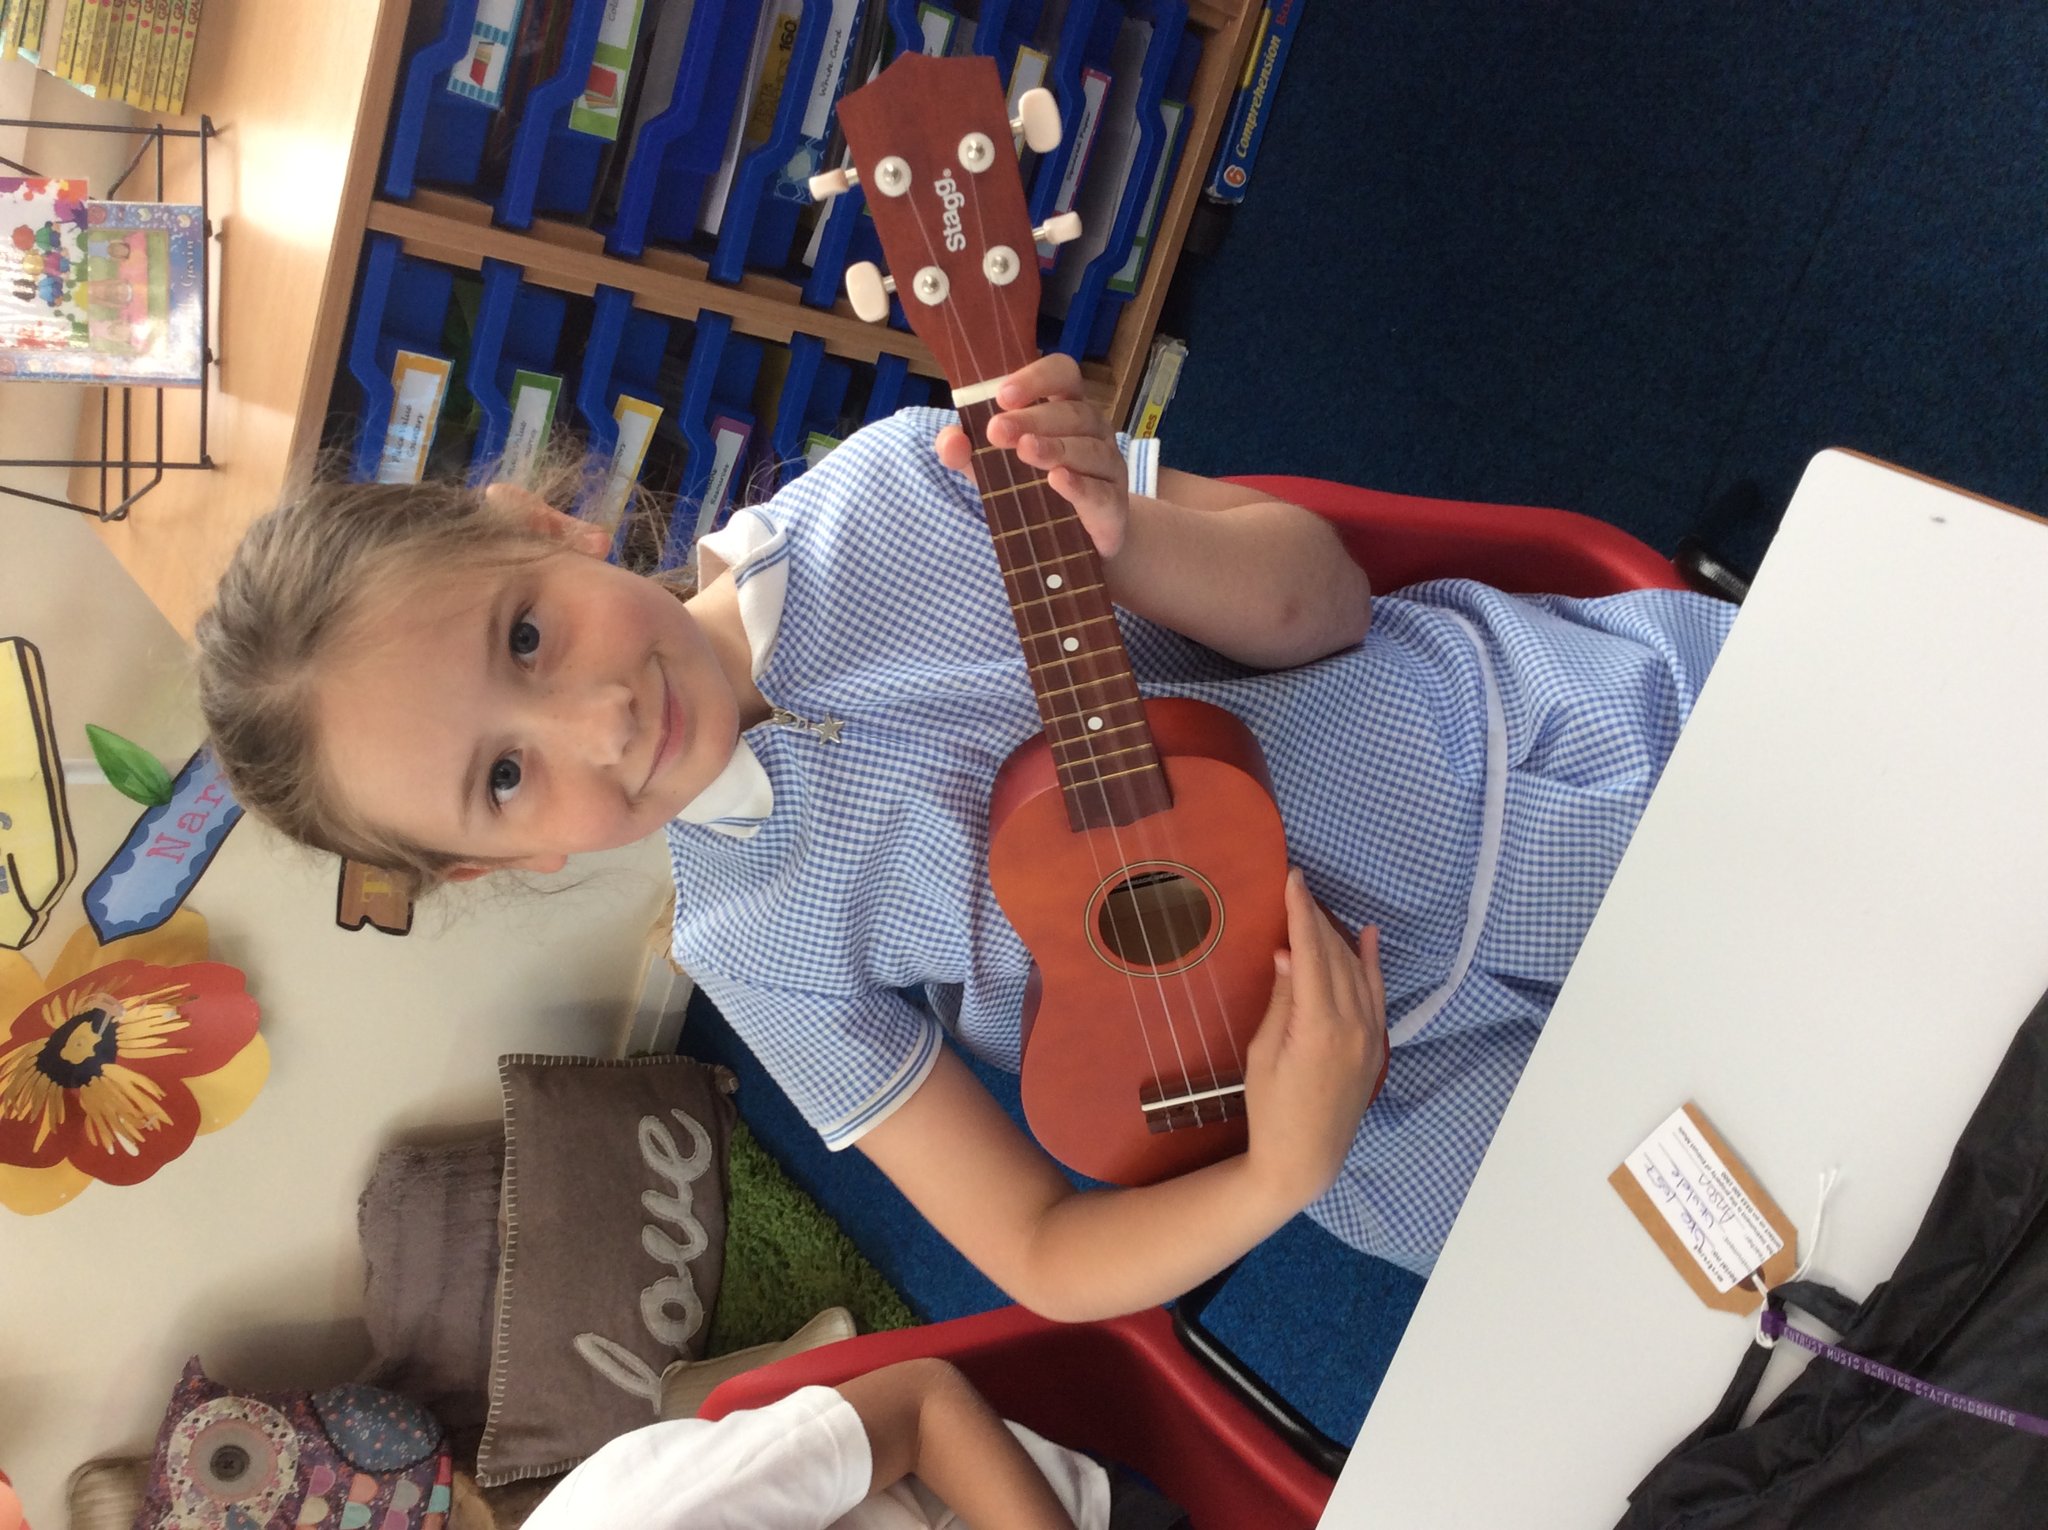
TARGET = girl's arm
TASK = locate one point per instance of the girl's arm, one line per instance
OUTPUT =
(924, 1417)
(1259, 580)
(1073, 1255)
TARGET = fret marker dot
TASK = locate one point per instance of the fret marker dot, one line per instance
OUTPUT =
(1053, 581)
(1071, 644)
(1094, 723)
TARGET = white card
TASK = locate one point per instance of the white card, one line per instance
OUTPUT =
(1693, 1189)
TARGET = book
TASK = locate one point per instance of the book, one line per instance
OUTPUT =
(42, 243)
(1156, 389)
(754, 114)
(1095, 85)
(142, 275)
(188, 40)
(1113, 152)
(122, 52)
(149, 97)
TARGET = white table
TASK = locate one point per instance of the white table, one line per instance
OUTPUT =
(1825, 931)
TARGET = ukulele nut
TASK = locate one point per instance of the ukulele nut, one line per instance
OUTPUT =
(931, 286)
(977, 153)
(1000, 265)
(892, 176)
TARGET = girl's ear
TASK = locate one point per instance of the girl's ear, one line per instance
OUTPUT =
(540, 516)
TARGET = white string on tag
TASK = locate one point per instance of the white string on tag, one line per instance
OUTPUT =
(1828, 1177)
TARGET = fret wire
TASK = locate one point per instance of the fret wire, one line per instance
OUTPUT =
(1143, 747)
(1013, 488)
(1063, 593)
(1112, 775)
(1102, 732)
(1068, 690)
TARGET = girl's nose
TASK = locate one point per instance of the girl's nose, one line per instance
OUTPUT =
(594, 724)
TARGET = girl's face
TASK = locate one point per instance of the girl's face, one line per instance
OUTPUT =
(514, 717)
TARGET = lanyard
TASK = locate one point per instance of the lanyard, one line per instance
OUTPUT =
(1773, 1325)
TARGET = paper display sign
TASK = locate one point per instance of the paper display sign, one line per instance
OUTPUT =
(1094, 91)
(165, 854)
(1126, 279)
(534, 397)
(1710, 1217)
(480, 75)
(636, 420)
(38, 856)
(418, 384)
(598, 109)
(729, 435)
(370, 895)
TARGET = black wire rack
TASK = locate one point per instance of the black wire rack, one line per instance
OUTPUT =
(120, 468)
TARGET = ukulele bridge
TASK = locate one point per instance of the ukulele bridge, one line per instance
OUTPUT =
(1185, 1103)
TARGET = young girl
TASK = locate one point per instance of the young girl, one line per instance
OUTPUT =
(911, 1446)
(449, 682)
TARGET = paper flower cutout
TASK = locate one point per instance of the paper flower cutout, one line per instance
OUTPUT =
(117, 1060)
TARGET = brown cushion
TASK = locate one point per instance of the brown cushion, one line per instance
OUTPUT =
(615, 1190)
(428, 1221)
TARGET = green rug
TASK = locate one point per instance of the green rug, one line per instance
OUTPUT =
(786, 1260)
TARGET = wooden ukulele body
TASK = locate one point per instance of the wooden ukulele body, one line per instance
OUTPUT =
(1154, 945)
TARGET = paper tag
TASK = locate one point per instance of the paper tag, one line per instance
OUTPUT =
(728, 439)
(534, 396)
(1710, 1217)
(1094, 89)
(636, 419)
(480, 74)
(417, 385)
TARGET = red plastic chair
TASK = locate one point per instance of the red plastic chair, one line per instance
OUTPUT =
(1129, 1389)
(1124, 1389)
(1401, 539)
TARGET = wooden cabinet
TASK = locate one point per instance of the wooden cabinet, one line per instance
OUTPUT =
(303, 97)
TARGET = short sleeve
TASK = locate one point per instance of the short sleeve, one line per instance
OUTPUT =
(802, 1462)
(845, 1061)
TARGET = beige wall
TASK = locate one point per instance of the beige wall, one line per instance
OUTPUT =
(244, 1251)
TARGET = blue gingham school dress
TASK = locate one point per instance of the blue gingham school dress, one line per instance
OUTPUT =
(1466, 779)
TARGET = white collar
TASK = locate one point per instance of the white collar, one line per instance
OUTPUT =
(740, 799)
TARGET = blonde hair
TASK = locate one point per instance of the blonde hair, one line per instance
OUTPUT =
(315, 573)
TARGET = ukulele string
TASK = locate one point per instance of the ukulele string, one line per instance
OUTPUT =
(1148, 829)
(1144, 830)
(1004, 366)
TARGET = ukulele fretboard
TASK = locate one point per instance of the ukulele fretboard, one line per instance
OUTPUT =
(1088, 698)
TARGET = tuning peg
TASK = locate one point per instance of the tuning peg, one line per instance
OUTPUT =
(1038, 119)
(1060, 229)
(868, 290)
(830, 183)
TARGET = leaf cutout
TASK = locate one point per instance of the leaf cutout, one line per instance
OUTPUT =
(131, 769)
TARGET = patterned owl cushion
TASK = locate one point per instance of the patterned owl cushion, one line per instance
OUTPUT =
(348, 1458)
(616, 1178)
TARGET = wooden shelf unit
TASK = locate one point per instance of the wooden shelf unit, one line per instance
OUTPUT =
(272, 78)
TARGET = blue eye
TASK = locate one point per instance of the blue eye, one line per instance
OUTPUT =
(525, 639)
(505, 776)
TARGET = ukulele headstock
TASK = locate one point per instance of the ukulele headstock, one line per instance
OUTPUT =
(932, 146)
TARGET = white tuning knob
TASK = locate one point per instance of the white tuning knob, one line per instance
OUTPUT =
(830, 183)
(1060, 229)
(868, 290)
(1038, 119)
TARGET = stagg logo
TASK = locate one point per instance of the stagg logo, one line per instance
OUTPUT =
(952, 201)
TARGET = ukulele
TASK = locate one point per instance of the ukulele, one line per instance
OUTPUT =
(1134, 844)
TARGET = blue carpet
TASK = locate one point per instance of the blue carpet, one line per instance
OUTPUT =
(1627, 257)
(1316, 1319)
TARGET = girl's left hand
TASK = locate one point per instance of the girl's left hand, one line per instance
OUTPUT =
(1050, 423)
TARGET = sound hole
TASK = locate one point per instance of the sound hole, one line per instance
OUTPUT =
(1154, 919)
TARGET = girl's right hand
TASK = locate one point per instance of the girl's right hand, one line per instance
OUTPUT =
(1319, 1056)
